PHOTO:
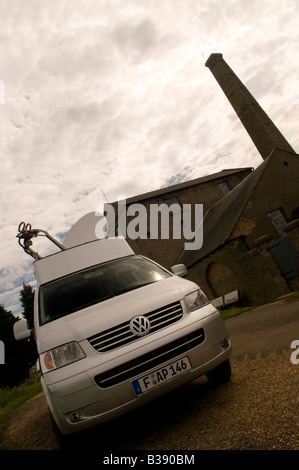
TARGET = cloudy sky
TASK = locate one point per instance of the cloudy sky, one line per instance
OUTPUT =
(113, 97)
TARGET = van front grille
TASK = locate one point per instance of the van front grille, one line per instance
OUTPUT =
(121, 335)
(150, 360)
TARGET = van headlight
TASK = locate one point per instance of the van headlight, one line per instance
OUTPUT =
(195, 300)
(61, 356)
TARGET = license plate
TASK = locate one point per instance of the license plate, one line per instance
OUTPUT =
(161, 375)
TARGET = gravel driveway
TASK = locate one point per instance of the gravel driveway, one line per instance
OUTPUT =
(256, 410)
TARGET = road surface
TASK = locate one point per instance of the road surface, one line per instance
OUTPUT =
(256, 410)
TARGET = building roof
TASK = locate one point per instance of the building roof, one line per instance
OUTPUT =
(221, 218)
(187, 184)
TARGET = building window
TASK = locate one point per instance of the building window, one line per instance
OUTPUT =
(278, 219)
(177, 205)
(225, 188)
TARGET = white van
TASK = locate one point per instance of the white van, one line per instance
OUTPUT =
(115, 330)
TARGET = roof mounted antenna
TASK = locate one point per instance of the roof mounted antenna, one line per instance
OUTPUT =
(25, 235)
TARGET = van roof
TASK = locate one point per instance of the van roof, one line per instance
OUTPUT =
(80, 257)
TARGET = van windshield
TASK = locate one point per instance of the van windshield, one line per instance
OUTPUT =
(91, 286)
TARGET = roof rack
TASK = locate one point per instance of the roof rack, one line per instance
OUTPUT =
(25, 235)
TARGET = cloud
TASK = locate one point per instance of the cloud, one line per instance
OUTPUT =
(136, 37)
(114, 96)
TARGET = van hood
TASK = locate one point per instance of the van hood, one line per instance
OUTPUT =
(109, 313)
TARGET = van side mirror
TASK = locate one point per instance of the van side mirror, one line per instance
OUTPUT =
(21, 330)
(179, 270)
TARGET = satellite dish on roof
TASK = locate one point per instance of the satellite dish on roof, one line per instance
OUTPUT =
(86, 229)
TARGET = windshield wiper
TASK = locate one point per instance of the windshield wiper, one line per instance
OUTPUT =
(135, 286)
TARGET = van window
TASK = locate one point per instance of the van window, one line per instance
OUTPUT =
(91, 286)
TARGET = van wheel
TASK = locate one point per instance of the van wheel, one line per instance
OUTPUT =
(221, 373)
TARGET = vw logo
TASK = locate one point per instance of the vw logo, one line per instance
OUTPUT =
(140, 325)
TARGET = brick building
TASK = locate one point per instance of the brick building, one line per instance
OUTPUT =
(251, 236)
(250, 226)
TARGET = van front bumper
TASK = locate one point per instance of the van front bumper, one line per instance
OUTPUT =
(97, 395)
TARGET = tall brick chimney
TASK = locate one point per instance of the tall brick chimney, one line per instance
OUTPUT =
(259, 126)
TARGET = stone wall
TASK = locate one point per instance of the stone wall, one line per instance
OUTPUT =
(292, 230)
(253, 272)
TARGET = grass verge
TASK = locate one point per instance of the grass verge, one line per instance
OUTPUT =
(235, 311)
(292, 297)
(12, 399)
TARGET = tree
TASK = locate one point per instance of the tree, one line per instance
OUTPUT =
(27, 301)
(16, 367)
(21, 355)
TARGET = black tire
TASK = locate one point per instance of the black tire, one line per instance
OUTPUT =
(221, 373)
(62, 441)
